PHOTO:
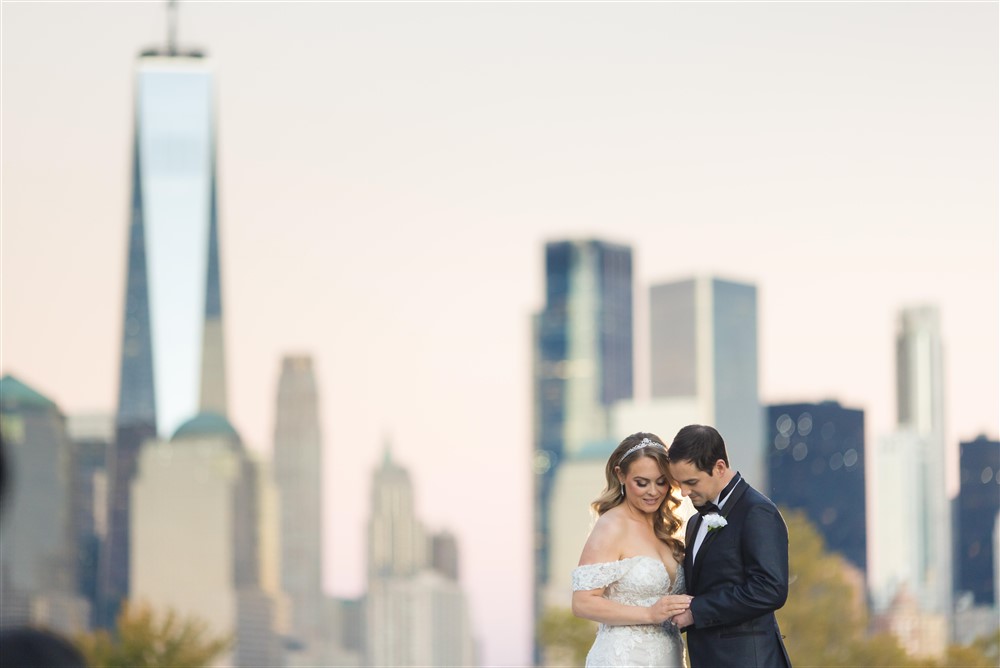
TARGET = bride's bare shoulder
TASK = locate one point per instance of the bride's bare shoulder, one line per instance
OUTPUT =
(613, 519)
(605, 540)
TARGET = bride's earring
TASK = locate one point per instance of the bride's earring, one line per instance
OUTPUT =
(623, 490)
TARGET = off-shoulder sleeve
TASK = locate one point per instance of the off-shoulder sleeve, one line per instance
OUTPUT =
(597, 576)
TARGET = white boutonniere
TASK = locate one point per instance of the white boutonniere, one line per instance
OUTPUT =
(715, 521)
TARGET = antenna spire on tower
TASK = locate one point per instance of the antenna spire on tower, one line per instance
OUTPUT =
(172, 27)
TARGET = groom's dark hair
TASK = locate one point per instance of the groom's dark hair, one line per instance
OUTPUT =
(699, 444)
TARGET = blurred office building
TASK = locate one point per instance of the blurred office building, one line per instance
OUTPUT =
(416, 609)
(912, 517)
(703, 351)
(702, 370)
(978, 505)
(199, 545)
(318, 626)
(38, 541)
(444, 554)
(579, 481)
(91, 435)
(921, 634)
(298, 471)
(582, 365)
(816, 464)
(172, 359)
(977, 612)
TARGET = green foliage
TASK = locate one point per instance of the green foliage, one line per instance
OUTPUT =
(983, 653)
(145, 639)
(825, 621)
(563, 634)
(989, 646)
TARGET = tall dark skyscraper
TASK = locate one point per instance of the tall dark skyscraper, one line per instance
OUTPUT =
(816, 463)
(582, 364)
(136, 418)
(978, 505)
(91, 436)
(172, 363)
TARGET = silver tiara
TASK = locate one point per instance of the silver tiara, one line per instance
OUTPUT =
(644, 443)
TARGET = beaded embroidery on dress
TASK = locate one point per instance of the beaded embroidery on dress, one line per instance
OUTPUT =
(634, 581)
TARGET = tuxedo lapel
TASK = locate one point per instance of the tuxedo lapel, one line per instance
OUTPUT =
(690, 533)
(734, 498)
(692, 527)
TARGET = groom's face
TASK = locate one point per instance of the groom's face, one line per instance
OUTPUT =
(695, 483)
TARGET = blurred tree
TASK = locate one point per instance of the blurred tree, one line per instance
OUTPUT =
(565, 638)
(989, 645)
(145, 639)
(825, 620)
(983, 653)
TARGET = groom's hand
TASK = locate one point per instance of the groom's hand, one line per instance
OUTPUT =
(683, 620)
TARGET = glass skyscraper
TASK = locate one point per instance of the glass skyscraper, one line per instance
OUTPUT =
(912, 512)
(172, 363)
(975, 522)
(703, 345)
(920, 400)
(816, 464)
(582, 365)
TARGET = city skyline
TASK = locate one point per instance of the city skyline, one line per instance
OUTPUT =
(390, 174)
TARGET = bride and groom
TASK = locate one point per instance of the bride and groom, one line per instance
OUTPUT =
(720, 586)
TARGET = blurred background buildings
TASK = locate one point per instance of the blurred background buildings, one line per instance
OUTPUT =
(164, 501)
(809, 457)
(816, 463)
(167, 507)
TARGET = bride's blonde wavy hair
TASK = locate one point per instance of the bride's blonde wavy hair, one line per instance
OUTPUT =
(665, 522)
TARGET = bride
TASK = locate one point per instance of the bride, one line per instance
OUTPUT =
(629, 578)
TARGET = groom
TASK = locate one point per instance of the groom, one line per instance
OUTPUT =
(736, 563)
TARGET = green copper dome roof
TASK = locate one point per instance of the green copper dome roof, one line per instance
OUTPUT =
(14, 393)
(206, 425)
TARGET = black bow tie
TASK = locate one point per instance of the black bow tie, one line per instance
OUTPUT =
(707, 509)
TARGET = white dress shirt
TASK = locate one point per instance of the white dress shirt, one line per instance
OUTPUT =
(699, 537)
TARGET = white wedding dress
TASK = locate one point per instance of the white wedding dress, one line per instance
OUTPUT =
(634, 581)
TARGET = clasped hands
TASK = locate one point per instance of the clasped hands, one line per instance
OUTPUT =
(674, 609)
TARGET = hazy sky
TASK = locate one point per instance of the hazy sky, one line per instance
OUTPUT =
(389, 173)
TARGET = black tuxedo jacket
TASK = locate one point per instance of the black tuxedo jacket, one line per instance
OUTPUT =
(738, 580)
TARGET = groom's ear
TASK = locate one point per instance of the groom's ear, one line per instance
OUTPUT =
(720, 467)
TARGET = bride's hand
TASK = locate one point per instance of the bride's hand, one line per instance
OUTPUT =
(667, 607)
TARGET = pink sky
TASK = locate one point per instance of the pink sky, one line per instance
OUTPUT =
(390, 172)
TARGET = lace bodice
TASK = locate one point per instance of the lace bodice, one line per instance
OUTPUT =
(640, 581)
(634, 581)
